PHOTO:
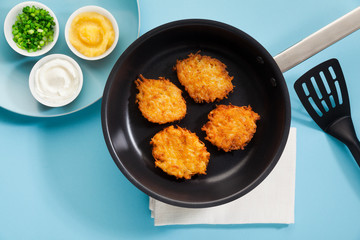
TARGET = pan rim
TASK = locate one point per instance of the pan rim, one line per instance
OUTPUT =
(280, 83)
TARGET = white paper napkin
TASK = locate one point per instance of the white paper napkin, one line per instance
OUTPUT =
(272, 201)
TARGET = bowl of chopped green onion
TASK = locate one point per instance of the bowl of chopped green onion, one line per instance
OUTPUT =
(31, 28)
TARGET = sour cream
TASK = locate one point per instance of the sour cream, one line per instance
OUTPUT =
(56, 80)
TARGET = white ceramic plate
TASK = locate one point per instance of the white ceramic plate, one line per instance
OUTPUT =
(15, 94)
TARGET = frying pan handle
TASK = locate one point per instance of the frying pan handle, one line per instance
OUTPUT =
(319, 40)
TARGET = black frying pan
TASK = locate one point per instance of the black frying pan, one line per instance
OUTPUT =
(258, 82)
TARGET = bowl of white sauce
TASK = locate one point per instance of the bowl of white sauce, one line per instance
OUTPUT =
(56, 80)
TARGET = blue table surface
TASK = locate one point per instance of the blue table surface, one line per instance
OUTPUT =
(58, 181)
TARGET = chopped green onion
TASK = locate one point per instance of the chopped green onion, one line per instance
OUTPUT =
(33, 29)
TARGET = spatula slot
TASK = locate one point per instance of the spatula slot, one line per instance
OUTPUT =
(326, 84)
(316, 87)
(332, 101)
(338, 90)
(306, 90)
(332, 72)
(326, 108)
(315, 107)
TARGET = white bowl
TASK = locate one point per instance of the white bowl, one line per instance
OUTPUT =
(50, 101)
(10, 20)
(101, 11)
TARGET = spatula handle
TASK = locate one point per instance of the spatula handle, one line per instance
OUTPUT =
(355, 151)
(343, 129)
(319, 40)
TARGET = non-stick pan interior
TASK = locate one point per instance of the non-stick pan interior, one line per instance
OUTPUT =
(258, 82)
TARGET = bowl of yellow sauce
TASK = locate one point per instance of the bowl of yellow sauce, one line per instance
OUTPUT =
(91, 32)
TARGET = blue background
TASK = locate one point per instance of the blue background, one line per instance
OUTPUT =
(58, 181)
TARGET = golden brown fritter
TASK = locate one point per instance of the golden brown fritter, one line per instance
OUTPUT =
(231, 127)
(179, 152)
(159, 100)
(204, 78)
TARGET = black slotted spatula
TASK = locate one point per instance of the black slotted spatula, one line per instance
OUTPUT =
(323, 92)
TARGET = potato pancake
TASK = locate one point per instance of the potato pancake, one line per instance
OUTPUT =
(159, 100)
(231, 127)
(204, 78)
(179, 152)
